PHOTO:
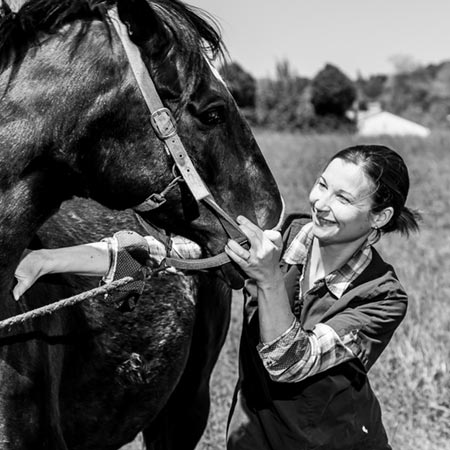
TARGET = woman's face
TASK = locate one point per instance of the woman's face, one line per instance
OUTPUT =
(341, 204)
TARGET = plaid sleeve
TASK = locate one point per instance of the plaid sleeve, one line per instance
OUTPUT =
(185, 248)
(298, 354)
(181, 248)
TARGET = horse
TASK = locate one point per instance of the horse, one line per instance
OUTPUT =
(73, 123)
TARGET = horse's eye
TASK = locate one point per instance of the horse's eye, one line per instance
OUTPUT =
(213, 116)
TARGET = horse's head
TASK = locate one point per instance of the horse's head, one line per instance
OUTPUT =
(210, 126)
(95, 127)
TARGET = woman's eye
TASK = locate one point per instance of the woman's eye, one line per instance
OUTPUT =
(343, 199)
(213, 116)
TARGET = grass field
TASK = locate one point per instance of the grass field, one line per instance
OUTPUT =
(412, 377)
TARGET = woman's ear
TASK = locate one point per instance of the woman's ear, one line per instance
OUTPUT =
(380, 219)
(143, 22)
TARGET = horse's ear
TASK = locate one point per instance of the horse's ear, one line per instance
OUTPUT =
(142, 21)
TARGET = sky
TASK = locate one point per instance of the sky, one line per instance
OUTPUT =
(358, 36)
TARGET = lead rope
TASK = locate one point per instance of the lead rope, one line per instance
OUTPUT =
(63, 303)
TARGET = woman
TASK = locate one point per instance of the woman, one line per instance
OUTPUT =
(315, 325)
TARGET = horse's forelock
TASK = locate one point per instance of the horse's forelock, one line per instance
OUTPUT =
(19, 30)
(196, 37)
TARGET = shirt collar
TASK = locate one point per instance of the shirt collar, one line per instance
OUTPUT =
(339, 280)
(297, 252)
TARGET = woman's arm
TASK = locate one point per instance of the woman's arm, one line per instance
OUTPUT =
(88, 259)
(94, 259)
(261, 263)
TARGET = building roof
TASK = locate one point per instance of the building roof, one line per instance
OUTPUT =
(373, 123)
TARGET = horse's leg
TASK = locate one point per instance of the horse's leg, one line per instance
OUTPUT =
(183, 421)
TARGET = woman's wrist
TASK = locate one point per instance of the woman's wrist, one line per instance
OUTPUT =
(48, 263)
(271, 283)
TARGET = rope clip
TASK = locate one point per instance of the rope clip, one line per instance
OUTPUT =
(160, 268)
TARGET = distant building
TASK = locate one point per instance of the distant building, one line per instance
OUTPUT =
(375, 122)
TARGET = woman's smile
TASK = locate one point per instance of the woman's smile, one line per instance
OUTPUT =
(322, 222)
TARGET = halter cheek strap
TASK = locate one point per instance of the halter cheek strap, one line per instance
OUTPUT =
(165, 127)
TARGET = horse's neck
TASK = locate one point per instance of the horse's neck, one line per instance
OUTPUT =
(24, 206)
(42, 120)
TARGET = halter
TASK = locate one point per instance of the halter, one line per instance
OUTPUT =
(165, 128)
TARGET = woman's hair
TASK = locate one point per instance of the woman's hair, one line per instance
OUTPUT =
(389, 175)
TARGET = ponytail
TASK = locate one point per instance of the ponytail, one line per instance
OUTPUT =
(406, 222)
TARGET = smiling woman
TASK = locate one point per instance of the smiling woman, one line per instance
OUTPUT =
(341, 202)
(315, 324)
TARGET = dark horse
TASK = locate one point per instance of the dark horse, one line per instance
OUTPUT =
(73, 123)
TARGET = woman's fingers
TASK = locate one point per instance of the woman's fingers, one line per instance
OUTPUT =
(19, 289)
(26, 273)
(236, 252)
(251, 231)
(274, 237)
(25, 280)
(258, 239)
(242, 220)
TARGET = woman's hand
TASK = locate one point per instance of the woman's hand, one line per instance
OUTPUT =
(262, 264)
(261, 261)
(91, 259)
(31, 267)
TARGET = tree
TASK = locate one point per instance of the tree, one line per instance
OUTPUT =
(282, 103)
(240, 83)
(372, 88)
(333, 93)
(403, 63)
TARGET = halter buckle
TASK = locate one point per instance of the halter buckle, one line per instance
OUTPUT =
(163, 123)
(152, 202)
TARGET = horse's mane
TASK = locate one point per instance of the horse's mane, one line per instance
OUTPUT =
(20, 30)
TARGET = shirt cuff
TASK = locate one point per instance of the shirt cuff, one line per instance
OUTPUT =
(264, 345)
(112, 253)
(185, 248)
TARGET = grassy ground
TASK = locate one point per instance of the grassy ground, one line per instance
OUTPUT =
(412, 377)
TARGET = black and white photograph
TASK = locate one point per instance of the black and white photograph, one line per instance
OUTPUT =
(224, 225)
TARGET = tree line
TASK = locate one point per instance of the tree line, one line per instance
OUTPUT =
(321, 104)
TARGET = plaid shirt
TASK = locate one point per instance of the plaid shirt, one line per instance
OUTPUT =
(297, 353)
(181, 247)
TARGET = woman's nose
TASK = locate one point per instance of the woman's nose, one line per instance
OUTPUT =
(322, 202)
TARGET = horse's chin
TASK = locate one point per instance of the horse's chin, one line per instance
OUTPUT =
(232, 276)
